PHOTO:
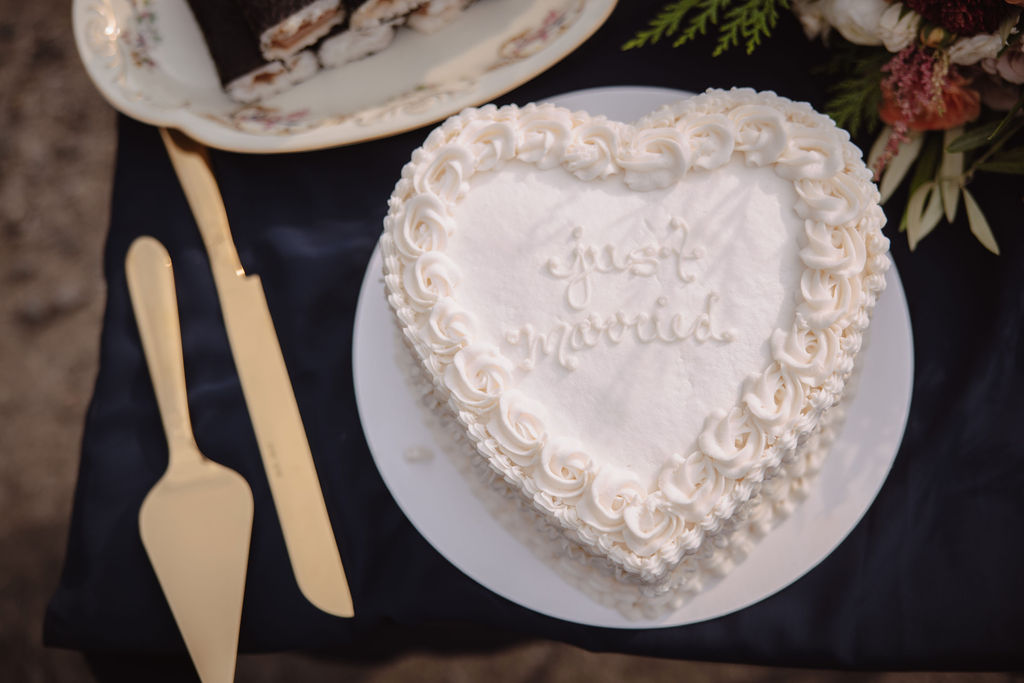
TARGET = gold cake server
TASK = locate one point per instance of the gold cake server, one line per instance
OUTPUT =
(299, 500)
(196, 521)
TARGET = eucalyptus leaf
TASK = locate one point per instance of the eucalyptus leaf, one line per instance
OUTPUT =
(927, 166)
(1009, 116)
(879, 147)
(950, 174)
(1006, 161)
(899, 165)
(1010, 167)
(978, 223)
(974, 138)
(924, 211)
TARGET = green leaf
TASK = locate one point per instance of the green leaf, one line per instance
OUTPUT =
(979, 224)
(666, 23)
(879, 147)
(1006, 161)
(950, 175)
(974, 138)
(924, 211)
(898, 166)
(854, 97)
(1009, 116)
(746, 21)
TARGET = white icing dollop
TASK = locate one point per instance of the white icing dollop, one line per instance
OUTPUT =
(449, 327)
(840, 249)
(732, 442)
(692, 485)
(775, 399)
(609, 495)
(431, 277)
(650, 526)
(655, 158)
(518, 427)
(478, 375)
(827, 298)
(593, 151)
(565, 470)
(443, 172)
(421, 225)
(761, 133)
(544, 135)
(811, 355)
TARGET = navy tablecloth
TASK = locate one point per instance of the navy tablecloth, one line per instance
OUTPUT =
(930, 578)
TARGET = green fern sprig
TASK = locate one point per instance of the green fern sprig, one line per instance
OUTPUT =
(749, 22)
(856, 93)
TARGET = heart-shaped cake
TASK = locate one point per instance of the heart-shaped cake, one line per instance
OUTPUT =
(642, 328)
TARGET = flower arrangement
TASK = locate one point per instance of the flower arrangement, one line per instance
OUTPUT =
(941, 82)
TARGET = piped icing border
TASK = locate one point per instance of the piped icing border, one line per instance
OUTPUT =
(645, 532)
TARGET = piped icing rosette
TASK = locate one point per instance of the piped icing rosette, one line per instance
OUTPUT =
(461, 271)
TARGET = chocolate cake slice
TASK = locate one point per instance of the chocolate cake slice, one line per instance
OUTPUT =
(285, 27)
(434, 15)
(376, 12)
(347, 44)
(244, 73)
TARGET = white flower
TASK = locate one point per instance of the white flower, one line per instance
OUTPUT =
(973, 49)
(856, 20)
(897, 27)
(811, 17)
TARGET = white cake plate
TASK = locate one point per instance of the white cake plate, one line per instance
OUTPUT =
(440, 503)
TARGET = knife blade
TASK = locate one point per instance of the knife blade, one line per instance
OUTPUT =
(291, 473)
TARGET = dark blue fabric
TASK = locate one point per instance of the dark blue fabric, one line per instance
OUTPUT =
(931, 577)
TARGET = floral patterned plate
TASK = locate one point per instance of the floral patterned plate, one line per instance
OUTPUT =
(148, 58)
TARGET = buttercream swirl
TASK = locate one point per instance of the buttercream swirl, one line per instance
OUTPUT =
(775, 399)
(732, 442)
(544, 135)
(449, 327)
(692, 485)
(711, 138)
(430, 277)
(518, 427)
(490, 143)
(478, 375)
(421, 225)
(761, 134)
(827, 298)
(812, 153)
(593, 151)
(655, 158)
(444, 172)
(840, 249)
(565, 470)
(811, 355)
(650, 525)
(603, 504)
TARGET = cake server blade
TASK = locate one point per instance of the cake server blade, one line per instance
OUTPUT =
(196, 522)
(294, 485)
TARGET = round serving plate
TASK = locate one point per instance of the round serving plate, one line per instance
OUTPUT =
(149, 60)
(433, 492)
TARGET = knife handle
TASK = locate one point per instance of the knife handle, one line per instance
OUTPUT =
(192, 165)
(155, 303)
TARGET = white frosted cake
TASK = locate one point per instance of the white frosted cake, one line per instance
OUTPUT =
(643, 329)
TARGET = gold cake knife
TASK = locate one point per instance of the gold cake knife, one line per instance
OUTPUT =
(312, 548)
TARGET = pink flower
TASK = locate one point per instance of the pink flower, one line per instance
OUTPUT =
(921, 93)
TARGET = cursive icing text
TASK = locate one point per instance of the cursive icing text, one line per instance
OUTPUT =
(566, 338)
(587, 259)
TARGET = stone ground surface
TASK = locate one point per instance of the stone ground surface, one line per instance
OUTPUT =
(56, 165)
